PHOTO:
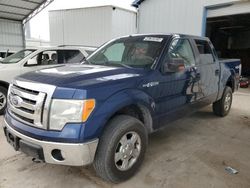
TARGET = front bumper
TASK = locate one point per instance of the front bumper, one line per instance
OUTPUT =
(72, 154)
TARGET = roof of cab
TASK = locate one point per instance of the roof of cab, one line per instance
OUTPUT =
(61, 48)
(167, 35)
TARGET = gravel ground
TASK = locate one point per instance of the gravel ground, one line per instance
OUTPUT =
(191, 152)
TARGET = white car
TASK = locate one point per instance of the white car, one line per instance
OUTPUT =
(34, 59)
(4, 54)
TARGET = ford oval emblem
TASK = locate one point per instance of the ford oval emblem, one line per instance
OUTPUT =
(16, 101)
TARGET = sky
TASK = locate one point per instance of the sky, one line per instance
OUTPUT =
(39, 25)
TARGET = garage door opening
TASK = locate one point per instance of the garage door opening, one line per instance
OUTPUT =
(231, 38)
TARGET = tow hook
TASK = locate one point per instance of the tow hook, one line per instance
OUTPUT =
(35, 160)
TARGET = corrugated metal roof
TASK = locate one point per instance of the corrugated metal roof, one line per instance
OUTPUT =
(136, 3)
(21, 10)
(97, 6)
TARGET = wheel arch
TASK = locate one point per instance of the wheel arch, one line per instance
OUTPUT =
(4, 84)
(130, 102)
(231, 83)
(140, 112)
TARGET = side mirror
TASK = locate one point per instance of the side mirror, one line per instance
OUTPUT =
(32, 62)
(174, 65)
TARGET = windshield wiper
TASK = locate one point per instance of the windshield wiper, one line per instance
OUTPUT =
(107, 63)
(124, 65)
(86, 61)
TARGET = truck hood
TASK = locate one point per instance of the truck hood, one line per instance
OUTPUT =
(7, 66)
(3, 66)
(81, 76)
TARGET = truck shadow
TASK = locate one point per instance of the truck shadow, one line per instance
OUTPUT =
(204, 114)
(179, 131)
(161, 140)
(163, 144)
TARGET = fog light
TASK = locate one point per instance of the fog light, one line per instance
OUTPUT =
(57, 154)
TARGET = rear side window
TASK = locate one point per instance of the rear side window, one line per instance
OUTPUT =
(206, 53)
(69, 56)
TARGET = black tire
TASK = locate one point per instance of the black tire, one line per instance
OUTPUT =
(104, 162)
(219, 107)
(3, 99)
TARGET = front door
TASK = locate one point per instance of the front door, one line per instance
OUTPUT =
(174, 91)
(53, 58)
(45, 59)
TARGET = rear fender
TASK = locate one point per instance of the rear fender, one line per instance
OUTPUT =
(227, 76)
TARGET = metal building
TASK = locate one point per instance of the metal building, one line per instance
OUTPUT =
(13, 15)
(91, 26)
(225, 22)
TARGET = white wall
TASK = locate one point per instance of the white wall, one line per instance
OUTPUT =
(171, 16)
(220, 2)
(175, 16)
(11, 35)
(56, 27)
(123, 22)
(36, 43)
(90, 26)
(237, 8)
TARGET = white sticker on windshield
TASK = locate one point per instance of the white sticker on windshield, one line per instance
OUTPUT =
(153, 39)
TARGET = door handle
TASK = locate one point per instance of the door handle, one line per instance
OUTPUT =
(198, 75)
(217, 72)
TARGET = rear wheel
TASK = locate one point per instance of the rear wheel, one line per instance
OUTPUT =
(223, 106)
(3, 99)
(121, 149)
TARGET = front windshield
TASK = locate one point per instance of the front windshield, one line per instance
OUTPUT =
(17, 56)
(136, 52)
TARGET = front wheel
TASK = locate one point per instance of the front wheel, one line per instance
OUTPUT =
(223, 106)
(3, 99)
(121, 149)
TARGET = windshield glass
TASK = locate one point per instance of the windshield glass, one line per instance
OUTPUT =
(136, 52)
(17, 56)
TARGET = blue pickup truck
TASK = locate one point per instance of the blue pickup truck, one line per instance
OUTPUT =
(102, 111)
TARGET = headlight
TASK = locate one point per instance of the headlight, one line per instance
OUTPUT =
(69, 111)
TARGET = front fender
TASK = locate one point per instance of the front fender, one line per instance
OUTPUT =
(105, 110)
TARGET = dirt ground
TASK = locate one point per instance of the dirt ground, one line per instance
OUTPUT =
(192, 152)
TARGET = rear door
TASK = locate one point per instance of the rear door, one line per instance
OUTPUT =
(208, 71)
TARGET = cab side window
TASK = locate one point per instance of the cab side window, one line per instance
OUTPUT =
(45, 58)
(205, 51)
(181, 49)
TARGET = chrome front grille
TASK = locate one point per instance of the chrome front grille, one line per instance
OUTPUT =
(29, 102)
